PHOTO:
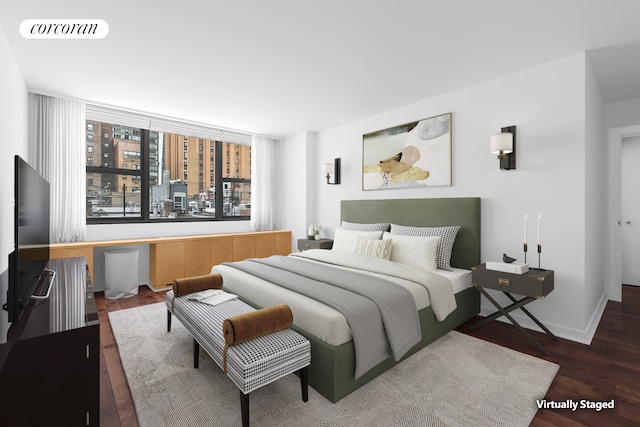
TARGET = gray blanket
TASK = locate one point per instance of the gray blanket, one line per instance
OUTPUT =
(381, 314)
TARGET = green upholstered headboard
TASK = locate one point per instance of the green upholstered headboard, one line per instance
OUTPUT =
(464, 212)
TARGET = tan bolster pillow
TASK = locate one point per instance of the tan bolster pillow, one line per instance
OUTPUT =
(189, 285)
(244, 327)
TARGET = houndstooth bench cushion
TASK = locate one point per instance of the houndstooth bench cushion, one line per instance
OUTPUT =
(252, 364)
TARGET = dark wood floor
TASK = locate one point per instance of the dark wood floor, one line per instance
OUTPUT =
(607, 369)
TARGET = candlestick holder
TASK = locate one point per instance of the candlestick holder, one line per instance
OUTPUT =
(525, 253)
(539, 252)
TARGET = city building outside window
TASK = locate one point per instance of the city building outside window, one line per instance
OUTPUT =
(156, 176)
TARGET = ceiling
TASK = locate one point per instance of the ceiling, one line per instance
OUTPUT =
(281, 67)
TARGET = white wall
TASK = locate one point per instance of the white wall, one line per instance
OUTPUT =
(623, 113)
(297, 172)
(162, 229)
(547, 104)
(595, 203)
(13, 122)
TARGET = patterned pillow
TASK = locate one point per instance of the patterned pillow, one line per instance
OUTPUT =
(419, 251)
(374, 248)
(344, 240)
(380, 226)
(445, 246)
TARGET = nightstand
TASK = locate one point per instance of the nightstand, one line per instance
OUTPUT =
(304, 244)
(533, 285)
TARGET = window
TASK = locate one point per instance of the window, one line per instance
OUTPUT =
(131, 156)
(150, 180)
(89, 137)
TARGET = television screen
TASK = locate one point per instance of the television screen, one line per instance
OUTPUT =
(31, 253)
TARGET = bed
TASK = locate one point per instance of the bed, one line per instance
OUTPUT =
(333, 365)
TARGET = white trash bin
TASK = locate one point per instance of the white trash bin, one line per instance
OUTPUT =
(120, 273)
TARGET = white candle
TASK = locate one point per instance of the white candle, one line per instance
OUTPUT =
(539, 226)
(525, 229)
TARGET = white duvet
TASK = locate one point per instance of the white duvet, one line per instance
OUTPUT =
(324, 322)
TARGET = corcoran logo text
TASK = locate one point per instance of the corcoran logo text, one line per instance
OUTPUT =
(64, 28)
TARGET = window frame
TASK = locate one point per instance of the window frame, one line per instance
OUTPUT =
(143, 175)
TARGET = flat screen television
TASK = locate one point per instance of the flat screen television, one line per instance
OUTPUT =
(28, 261)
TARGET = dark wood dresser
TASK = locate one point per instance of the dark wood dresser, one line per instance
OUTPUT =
(50, 364)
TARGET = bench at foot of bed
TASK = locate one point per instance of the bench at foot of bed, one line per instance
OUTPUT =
(251, 364)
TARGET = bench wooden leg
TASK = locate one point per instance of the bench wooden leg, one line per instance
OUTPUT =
(196, 353)
(244, 406)
(168, 320)
(304, 383)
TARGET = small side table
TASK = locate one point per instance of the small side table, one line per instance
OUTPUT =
(304, 244)
(533, 285)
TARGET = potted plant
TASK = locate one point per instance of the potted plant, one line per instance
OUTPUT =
(313, 231)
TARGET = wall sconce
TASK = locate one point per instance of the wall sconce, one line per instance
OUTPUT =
(333, 169)
(504, 145)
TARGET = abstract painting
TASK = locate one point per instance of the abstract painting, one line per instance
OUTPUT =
(416, 154)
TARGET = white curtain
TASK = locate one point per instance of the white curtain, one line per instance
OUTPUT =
(57, 151)
(263, 183)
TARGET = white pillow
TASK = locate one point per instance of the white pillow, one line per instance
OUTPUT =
(345, 240)
(373, 247)
(445, 247)
(419, 251)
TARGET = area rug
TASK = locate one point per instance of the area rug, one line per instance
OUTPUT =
(456, 381)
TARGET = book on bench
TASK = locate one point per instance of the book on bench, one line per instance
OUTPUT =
(212, 296)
